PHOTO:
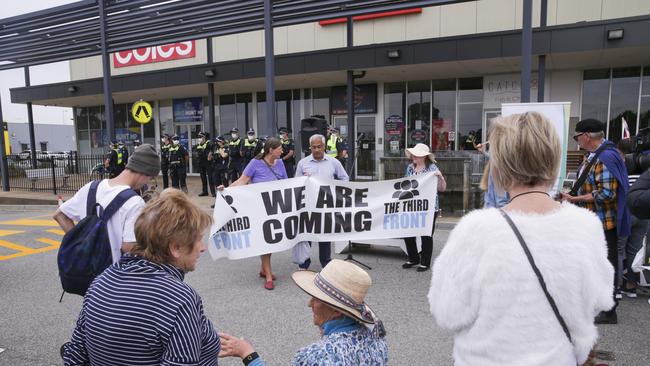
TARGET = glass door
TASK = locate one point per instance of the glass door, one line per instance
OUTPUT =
(189, 135)
(366, 146)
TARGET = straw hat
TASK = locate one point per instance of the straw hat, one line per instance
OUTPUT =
(343, 286)
(421, 150)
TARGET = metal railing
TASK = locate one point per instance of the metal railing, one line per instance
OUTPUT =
(55, 172)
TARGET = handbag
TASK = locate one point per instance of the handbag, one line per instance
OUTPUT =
(300, 252)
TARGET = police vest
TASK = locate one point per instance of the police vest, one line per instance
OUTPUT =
(119, 154)
(331, 146)
(250, 144)
(201, 150)
(174, 154)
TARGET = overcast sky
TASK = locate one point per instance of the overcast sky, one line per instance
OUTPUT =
(43, 74)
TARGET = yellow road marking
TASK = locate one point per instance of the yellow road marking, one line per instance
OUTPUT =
(16, 247)
(49, 241)
(10, 232)
(55, 231)
(29, 222)
(22, 254)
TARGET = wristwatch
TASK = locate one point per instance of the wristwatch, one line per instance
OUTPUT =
(248, 359)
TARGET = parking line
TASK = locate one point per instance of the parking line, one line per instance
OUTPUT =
(49, 241)
(56, 231)
(10, 232)
(17, 247)
(29, 222)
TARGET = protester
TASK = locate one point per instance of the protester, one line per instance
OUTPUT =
(265, 167)
(139, 311)
(422, 161)
(288, 151)
(484, 287)
(142, 166)
(491, 198)
(318, 164)
(339, 311)
(178, 161)
(603, 191)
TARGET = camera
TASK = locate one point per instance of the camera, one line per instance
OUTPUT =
(638, 161)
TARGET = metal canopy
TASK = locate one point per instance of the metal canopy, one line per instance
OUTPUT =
(73, 31)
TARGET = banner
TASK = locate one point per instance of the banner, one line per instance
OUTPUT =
(271, 217)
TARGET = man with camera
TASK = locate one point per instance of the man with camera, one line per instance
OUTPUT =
(602, 187)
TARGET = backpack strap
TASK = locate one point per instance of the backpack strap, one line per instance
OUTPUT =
(117, 202)
(92, 198)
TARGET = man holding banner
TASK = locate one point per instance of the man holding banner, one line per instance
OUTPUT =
(320, 165)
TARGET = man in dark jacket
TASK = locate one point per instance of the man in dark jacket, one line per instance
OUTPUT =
(638, 198)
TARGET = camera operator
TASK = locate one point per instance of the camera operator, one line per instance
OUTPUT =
(638, 163)
(638, 199)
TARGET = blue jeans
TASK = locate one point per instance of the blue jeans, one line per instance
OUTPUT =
(629, 246)
(324, 254)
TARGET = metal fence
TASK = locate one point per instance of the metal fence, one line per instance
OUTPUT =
(54, 172)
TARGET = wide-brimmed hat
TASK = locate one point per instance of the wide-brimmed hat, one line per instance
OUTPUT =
(421, 150)
(343, 286)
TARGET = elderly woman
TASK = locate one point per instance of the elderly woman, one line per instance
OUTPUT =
(339, 311)
(484, 286)
(266, 167)
(422, 161)
(140, 308)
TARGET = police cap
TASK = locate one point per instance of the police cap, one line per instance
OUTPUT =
(234, 130)
(251, 131)
(219, 139)
(175, 137)
(283, 130)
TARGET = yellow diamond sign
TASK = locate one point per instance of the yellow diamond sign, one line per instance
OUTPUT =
(141, 112)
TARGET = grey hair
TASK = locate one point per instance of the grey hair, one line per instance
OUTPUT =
(597, 135)
(316, 136)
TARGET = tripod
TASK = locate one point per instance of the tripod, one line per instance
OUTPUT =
(349, 257)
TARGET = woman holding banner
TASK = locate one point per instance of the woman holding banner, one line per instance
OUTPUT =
(526, 290)
(266, 167)
(422, 161)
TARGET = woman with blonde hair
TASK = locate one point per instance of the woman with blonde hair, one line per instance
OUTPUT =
(521, 285)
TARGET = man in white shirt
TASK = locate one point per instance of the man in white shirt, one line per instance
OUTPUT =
(142, 165)
(319, 164)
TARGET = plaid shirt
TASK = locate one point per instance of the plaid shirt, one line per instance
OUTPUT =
(603, 186)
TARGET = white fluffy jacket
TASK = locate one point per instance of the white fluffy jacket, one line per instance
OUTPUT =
(484, 289)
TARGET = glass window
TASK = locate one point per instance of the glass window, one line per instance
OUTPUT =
(282, 109)
(625, 98)
(644, 115)
(470, 90)
(419, 108)
(84, 142)
(470, 112)
(120, 116)
(166, 116)
(394, 126)
(263, 127)
(595, 94)
(95, 117)
(443, 120)
(321, 102)
(227, 114)
(244, 111)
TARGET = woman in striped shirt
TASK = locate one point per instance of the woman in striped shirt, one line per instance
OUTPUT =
(139, 311)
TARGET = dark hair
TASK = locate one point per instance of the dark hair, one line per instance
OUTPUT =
(270, 144)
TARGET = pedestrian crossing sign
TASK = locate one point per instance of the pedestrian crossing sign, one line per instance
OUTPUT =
(141, 112)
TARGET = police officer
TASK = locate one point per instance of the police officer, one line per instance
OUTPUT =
(288, 151)
(235, 167)
(205, 170)
(121, 148)
(166, 143)
(114, 162)
(250, 147)
(178, 159)
(219, 159)
(336, 147)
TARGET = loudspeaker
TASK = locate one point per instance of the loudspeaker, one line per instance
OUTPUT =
(311, 126)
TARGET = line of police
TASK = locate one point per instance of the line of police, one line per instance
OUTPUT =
(220, 161)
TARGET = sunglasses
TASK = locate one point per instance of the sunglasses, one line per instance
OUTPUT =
(575, 137)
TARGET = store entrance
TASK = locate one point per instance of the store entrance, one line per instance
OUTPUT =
(366, 148)
(189, 135)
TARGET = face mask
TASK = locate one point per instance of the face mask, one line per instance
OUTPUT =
(251, 137)
(176, 142)
(233, 136)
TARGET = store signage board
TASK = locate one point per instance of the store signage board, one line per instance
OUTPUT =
(148, 55)
(365, 99)
(188, 110)
(558, 113)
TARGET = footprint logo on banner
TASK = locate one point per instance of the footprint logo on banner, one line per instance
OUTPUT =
(229, 201)
(406, 189)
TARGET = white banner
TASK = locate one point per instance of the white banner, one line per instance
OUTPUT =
(272, 217)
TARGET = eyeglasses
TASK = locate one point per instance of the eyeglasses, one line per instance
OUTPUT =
(575, 137)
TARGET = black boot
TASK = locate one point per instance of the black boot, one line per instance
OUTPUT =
(607, 317)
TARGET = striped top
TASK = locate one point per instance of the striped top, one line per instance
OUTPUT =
(142, 313)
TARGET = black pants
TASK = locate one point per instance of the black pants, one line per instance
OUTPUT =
(235, 170)
(423, 258)
(219, 177)
(178, 174)
(611, 236)
(291, 170)
(211, 180)
(203, 172)
(165, 175)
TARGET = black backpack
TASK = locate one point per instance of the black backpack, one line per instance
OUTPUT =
(85, 250)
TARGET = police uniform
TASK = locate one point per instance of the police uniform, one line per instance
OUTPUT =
(249, 149)
(220, 163)
(205, 170)
(287, 147)
(178, 166)
(235, 167)
(335, 146)
(164, 162)
(116, 161)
